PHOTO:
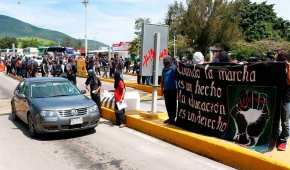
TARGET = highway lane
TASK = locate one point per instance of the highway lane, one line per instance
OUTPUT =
(109, 147)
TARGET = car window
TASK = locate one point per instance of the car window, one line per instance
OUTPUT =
(24, 90)
(53, 89)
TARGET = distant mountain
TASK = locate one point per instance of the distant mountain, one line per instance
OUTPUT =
(12, 27)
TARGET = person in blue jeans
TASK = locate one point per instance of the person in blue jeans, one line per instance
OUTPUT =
(169, 89)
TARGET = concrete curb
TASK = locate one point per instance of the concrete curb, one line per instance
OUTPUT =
(223, 151)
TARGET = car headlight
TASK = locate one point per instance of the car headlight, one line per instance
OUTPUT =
(48, 114)
(92, 109)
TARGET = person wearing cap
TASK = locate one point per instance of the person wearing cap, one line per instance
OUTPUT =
(169, 88)
(93, 84)
(198, 58)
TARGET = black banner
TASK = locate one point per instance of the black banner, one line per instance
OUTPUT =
(233, 102)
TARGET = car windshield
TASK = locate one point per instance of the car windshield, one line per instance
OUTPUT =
(53, 89)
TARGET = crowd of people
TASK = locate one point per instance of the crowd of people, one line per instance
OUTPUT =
(51, 65)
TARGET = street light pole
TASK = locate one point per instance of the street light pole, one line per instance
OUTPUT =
(85, 2)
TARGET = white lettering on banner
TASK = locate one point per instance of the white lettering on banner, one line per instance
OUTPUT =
(208, 90)
(213, 124)
(195, 73)
(207, 107)
(239, 76)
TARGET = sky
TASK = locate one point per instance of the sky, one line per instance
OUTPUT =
(109, 21)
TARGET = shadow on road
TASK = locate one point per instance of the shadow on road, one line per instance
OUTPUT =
(50, 136)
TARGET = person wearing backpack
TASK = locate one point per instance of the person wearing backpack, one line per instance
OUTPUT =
(71, 70)
(285, 112)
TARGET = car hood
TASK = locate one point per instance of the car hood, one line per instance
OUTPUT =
(62, 103)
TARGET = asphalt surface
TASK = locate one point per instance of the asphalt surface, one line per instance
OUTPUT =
(109, 147)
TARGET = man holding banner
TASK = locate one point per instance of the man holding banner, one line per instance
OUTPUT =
(169, 88)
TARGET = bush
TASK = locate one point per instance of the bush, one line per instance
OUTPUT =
(244, 50)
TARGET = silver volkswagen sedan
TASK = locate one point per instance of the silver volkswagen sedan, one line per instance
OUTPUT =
(53, 105)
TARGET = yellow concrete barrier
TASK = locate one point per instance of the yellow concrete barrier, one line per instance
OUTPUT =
(223, 151)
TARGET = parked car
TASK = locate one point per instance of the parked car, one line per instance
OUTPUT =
(53, 105)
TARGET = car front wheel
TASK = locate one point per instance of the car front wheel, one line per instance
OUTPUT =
(13, 112)
(31, 126)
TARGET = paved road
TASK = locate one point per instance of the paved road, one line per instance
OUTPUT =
(109, 147)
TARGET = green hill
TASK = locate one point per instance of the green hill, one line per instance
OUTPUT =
(12, 27)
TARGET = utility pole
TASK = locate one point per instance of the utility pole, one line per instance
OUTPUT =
(86, 2)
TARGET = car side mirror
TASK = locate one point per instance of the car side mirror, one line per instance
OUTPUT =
(22, 96)
(83, 91)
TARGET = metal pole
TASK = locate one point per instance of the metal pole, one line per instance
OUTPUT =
(155, 72)
(85, 2)
(86, 31)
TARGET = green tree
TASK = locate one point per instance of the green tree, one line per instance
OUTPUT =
(135, 45)
(174, 19)
(29, 42)
(259, 21)
(208, 22)
(7, 42)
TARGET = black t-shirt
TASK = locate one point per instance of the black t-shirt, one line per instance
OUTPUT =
(94, 83)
